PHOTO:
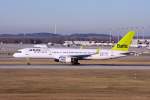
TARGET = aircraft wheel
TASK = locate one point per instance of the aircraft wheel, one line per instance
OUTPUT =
(28, 63)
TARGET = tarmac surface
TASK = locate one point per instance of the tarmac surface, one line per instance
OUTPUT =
(83, 66)
(125, 63)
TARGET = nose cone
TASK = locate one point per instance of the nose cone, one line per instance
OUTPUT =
(14, 55)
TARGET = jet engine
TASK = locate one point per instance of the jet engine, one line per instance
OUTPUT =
(67, 59)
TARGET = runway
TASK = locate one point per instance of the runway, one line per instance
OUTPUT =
(84, 66)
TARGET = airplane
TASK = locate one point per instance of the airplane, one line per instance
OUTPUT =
(72, 55)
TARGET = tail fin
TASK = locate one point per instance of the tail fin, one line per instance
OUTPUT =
(124, 43)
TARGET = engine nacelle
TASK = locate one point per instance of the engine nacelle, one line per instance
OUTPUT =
(65, 59)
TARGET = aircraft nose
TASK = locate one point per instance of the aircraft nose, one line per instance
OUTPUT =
(15, 55)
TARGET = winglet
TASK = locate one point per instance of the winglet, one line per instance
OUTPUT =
(125, 42)
(97, 50)
(81, 47)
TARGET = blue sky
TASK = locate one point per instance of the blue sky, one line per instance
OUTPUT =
(71, 16)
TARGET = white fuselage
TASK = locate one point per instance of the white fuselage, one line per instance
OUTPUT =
(70, 55)
(55, 53)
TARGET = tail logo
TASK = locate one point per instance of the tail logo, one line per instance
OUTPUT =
(122, 46)
(125, 42)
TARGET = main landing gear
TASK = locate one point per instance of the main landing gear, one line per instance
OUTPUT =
(74, 61)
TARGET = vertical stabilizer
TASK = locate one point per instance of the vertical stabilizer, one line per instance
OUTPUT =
(125, 42)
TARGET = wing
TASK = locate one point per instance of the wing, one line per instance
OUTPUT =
(80, 57)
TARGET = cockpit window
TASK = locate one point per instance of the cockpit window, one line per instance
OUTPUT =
(34, 50)
(30, 50)
(19, 52)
